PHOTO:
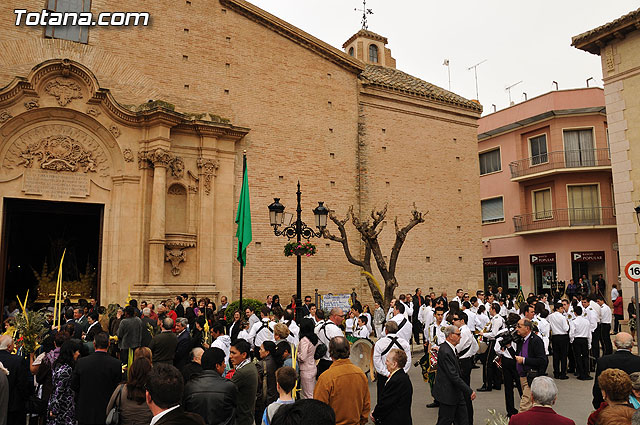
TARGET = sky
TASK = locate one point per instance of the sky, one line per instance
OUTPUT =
(520, 41)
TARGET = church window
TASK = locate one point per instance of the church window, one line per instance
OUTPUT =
(70, 32)
(373, 53)
(350, 51)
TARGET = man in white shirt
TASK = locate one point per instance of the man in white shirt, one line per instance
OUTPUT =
(382, 348)
(404, 326)
(489, 370)
(326, 331)
(458, 297)
(408, 311)
(251, 317)
(392, 305)
(593, 315)
(425, 315)
(605, 325)
(614, 292)
(580, 337)
(263, 330)
(559, 325)
(474, 304)
(471, 316)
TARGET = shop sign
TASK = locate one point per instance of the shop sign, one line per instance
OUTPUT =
(587, 256)
(543, 258)
(512, 278)
(502, 261)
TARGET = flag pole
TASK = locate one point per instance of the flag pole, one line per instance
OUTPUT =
(244, 170)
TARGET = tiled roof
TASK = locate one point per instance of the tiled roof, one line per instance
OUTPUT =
(398, 80)
(365, 33)
(614, 29)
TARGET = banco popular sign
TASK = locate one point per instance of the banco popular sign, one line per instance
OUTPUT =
(587, 256)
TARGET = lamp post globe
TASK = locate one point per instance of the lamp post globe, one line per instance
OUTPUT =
(276, 212)
(321, 212)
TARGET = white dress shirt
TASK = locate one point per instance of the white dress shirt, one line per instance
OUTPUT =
(331, 330)
(591, 316)
(294, 333)
(361, 332)
(596, 308)
(466, 340)
(544, 330)
(157, 417)
(496, 325)
(434, 333)
(481, 321)
(471, 322)
(406, 330)
(381, 345)
(580, 328)
(425, 315)
(558, 323)
(257, 335)
(614, 294)
(605, 314)
(253, 319)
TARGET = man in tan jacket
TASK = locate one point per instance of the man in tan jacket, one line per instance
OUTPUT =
(344, 386)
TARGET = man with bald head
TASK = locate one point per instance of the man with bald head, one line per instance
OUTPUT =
(194, 367)
(327, 330)
(18, 381)
(620, 359)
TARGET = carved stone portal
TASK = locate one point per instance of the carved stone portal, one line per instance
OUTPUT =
(128, 155)
(209, 168)
(5, 116)
(64, 90)
(57, 148)
(162, 158)
(175, 256)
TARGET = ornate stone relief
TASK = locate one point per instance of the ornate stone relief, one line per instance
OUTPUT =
(114, 130)
(193, 188)
(162, 158)
(57, 148)
(93, 112)
(5, 116)
(175, 256)
(209, 168)
(177, 168)
(32, 104)
(128, 155)
(64, 90)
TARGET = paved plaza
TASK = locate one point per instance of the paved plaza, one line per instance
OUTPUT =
(574, 397)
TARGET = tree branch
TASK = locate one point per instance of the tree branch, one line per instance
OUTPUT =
(343, 237)
(401, 235)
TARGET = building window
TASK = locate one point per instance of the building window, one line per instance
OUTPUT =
(579, 148)
(350, 51)
(538, 146)
(584, 205)
(70, 32)
(490, 162)
(492, 210)
(373, 53)
(542, 204)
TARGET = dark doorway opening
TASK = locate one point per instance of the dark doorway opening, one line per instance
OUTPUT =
(35, 233)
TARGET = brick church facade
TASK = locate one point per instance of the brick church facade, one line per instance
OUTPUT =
(149, 125)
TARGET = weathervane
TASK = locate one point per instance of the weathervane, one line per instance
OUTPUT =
(365, 12)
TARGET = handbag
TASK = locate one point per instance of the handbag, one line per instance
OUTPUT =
(113, 418)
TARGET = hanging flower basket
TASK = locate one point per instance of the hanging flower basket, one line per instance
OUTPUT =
(306, 249)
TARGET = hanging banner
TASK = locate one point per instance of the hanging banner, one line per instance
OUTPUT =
(342, 301)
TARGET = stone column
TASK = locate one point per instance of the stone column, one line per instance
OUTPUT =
(160, 158)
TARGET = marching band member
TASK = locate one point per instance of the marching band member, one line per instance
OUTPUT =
(559, 326)
(489, 369)
(433, 337)
(405, 329)
(465, 350)
(580, 337)
(386, 343)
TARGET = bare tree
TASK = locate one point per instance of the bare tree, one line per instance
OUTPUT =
(369, 232)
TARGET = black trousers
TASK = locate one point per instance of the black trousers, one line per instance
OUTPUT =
(560, 344)
(605, 337)
(616, 322)
(455, 414)
(595, 346)
(380, 381)
(572, 359)
(417, 330)
(323, 365)
(581, 351)
(466, 365)
(489, 369)
(511, 380)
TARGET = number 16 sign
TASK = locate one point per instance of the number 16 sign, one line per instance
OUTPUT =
(632, 270)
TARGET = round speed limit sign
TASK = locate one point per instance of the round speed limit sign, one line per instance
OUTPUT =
(632, 270)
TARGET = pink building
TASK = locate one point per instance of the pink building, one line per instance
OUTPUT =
(546, 192)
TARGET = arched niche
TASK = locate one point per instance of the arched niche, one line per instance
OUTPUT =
(176, 214)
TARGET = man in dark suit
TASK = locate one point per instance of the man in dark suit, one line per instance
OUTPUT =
(531, 360)
(94, 326)
(94, 379)
(184, 343)
(18, 381)
(620, 359)
(77, 329)
(394, 401)
(164, 394)
(163, 345)
(449, 389)
(179, 309)
(245, 379)
(149, 327)
(543, 394)
(418, 300)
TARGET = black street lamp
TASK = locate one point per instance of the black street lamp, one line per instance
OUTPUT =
(299, 230)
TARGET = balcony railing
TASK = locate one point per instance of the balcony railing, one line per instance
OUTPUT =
(559, 160)
(568, 217)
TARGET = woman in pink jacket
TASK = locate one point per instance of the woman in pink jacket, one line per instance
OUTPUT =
(306, 351)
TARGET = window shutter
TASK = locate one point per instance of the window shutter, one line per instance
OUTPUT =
(492, 210)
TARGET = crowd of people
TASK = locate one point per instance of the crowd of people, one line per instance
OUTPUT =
(187, 361)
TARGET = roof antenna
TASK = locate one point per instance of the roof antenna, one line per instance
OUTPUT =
(475, 71)
(508, 89)
(365, 12)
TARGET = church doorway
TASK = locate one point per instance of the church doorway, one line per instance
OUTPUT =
(35, 233)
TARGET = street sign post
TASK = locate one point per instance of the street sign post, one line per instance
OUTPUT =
(632, 271)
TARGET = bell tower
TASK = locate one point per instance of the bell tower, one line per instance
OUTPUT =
(370, 48)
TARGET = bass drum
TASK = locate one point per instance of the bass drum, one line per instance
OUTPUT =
(482, 347)
(362, 354)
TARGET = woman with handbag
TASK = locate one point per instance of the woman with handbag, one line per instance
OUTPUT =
(127, 405)
(62, 407)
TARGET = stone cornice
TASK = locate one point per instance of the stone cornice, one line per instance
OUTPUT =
(291, 32)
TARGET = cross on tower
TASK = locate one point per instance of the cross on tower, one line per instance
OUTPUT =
(365, 12)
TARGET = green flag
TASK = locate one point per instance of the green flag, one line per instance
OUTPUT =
(243, 217)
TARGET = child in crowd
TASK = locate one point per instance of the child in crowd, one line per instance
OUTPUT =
(285, 380)
(362, 331)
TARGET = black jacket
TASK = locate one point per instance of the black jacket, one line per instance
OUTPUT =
(94, 379)
(190, 370)
(180, 417)
(536, 357)
(394, 403)
(449, 387)
(621, 359)
(18, 380)
(182, 350)
(146, 334)
(163, 347)
(416, 309)
(212, 397)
